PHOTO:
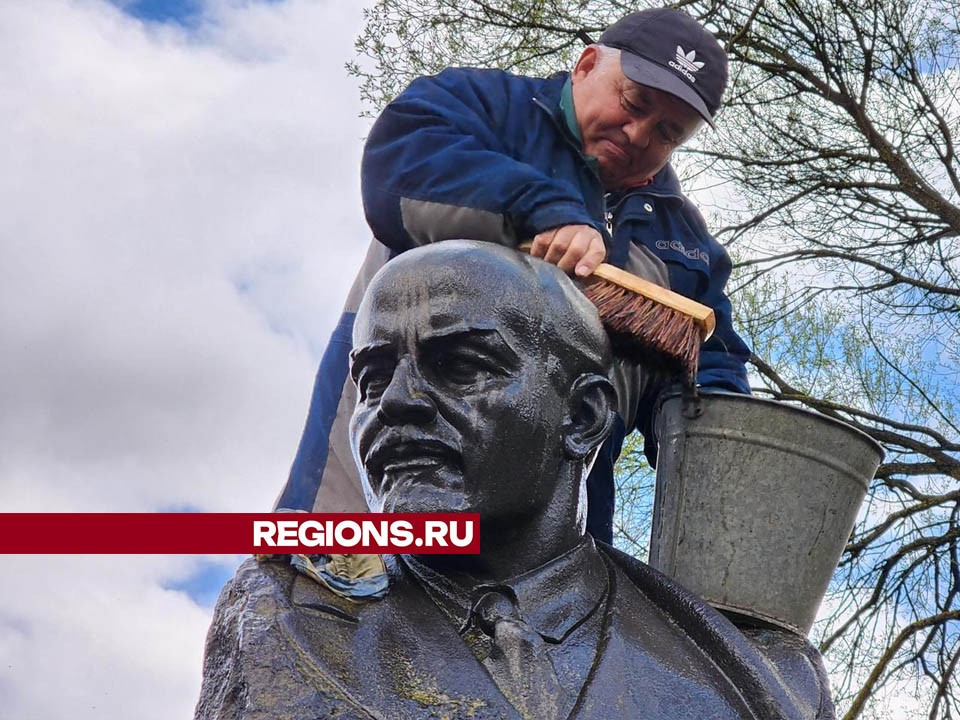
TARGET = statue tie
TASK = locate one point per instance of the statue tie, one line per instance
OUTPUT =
(518, 662)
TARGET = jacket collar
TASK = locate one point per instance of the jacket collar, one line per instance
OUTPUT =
(554, 598)
(665, 184)
(555, 98)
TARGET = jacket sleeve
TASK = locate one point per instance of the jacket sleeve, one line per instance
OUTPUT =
(442, 162)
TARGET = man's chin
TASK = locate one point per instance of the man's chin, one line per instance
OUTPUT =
(616, 182)
(616, 177)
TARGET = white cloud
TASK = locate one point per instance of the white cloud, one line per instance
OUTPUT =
(98, 637)
(181, 223)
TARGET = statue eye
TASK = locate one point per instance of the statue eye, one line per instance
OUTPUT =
(458, 367)
(373, 380)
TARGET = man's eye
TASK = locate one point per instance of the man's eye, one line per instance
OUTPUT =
(630, 106)
(668, 136)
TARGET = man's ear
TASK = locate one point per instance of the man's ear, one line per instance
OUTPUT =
(586, 63)
(591, 413)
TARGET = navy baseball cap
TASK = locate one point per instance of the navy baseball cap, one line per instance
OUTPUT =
(668, 50)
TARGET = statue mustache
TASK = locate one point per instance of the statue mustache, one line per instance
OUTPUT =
(410, 442)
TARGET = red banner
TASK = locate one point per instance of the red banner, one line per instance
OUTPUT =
(238, 533)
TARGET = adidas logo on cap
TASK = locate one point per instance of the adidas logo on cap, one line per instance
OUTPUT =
(686, 63)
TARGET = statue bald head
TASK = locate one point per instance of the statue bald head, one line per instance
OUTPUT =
(483, 385)
(482, 283)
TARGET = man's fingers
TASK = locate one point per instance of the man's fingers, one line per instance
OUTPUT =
(541, 243)
(572, 248)
(559, 244)
(595, 254)
(573, 253)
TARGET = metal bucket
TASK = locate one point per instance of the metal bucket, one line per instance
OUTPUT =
(755, 501)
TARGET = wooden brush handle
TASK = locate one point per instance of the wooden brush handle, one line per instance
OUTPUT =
(701, 314)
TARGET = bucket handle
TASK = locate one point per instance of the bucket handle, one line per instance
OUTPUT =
(691, 405)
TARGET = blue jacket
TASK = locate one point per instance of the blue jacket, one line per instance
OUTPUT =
(484, 152)
(487, 155)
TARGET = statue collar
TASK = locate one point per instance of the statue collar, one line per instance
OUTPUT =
(554, 599)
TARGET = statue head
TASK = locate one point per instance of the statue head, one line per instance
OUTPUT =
(483, 386)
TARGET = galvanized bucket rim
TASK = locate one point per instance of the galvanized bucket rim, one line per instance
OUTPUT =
(740, 397)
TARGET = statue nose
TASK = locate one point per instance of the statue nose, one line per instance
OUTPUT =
(406, 399)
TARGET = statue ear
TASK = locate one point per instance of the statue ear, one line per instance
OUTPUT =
(591, 413)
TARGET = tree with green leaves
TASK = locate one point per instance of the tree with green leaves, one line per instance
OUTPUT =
(833, 179)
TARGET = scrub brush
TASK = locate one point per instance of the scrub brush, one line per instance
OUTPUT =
(648, 324)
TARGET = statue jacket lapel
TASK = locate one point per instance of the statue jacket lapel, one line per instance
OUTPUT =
(399, 657)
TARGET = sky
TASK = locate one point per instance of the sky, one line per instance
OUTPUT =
(181, 222)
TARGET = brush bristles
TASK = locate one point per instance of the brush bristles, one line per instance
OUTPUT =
(647, 332)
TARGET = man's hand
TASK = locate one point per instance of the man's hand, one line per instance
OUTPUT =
(572, 248)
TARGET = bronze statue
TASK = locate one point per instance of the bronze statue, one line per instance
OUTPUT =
(484, 382)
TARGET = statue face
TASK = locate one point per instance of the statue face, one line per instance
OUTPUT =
(456, 408)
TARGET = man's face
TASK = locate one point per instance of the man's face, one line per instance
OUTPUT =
(456, 411)
(631, 129)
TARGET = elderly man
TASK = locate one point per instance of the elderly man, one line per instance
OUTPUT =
(488, 155)
(483, 386)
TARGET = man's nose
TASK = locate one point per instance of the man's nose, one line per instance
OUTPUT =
(638, 132)
(406, 399)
